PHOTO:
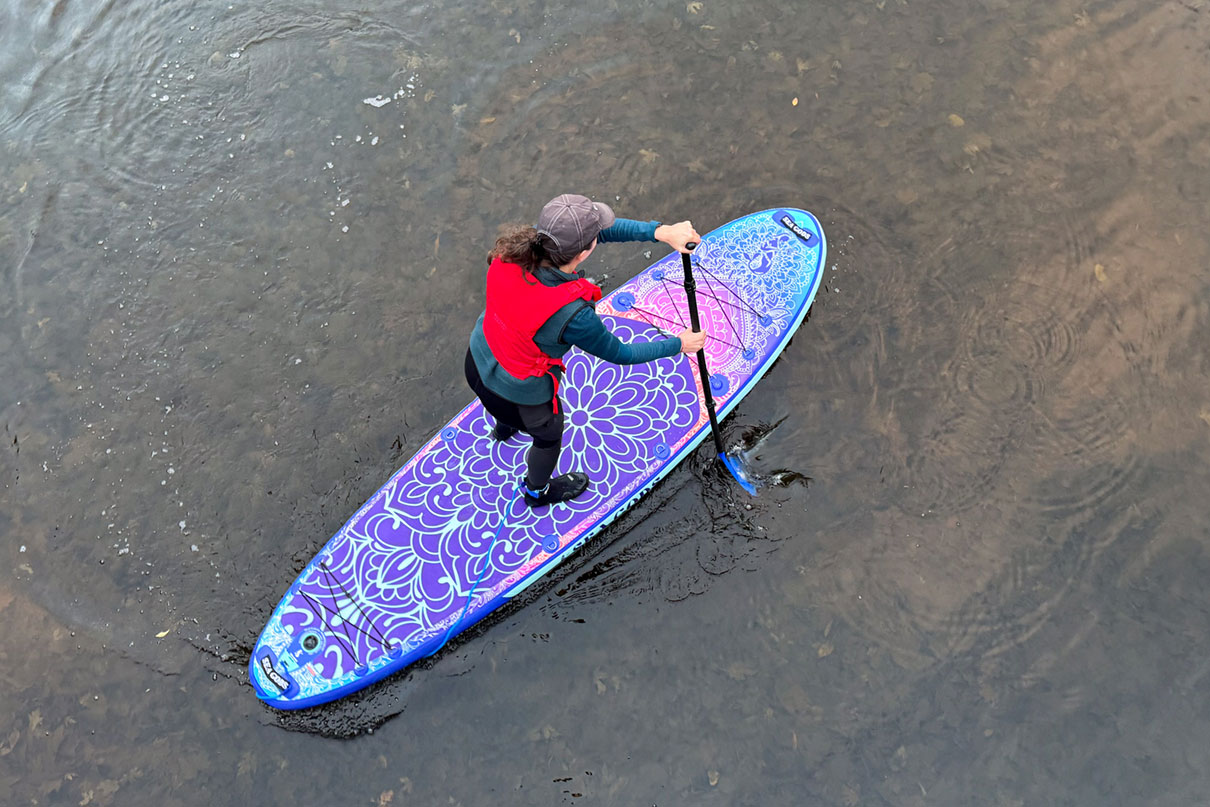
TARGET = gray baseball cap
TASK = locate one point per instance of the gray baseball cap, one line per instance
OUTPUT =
(569, 222)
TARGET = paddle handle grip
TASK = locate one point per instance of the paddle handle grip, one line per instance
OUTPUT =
(691, 288)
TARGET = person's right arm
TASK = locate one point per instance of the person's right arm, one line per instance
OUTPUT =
(587, 332)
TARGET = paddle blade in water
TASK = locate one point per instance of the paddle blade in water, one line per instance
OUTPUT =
(739, 469)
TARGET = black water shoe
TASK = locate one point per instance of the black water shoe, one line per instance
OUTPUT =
(502, 432)
(560, 489)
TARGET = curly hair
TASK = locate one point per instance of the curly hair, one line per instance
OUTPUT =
(519, 244)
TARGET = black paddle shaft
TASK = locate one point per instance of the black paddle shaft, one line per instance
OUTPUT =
(691, 295)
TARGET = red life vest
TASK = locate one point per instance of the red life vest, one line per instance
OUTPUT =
(517, 306)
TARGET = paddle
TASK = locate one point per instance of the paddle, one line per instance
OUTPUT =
(732, 464)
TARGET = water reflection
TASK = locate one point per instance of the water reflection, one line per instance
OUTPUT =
(241, 248)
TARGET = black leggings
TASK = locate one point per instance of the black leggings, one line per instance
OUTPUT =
(540, 421)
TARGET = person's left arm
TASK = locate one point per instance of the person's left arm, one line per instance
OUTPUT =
(674, 235)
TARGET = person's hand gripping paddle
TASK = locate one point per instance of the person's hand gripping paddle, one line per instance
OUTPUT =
(732, 462)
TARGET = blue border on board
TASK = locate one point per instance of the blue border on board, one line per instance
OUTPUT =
(477, 613)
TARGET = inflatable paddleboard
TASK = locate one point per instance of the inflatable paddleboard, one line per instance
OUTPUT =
(447, 539)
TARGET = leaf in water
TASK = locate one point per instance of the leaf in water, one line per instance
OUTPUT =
(1205, 415)
(922, 82)
(648, 156)
(795, 101)
(1099, 271)
(713, 777)
(163, 633)
(247, 764)
(693, 7)
(825, 649)
(979, 142)
(385, 798)
(738, 671)
(35, 720)
(8, 745)
(547, 732)
(906, 195)
(956, 120)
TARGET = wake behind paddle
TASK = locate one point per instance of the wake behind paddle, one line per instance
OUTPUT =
(732, 461)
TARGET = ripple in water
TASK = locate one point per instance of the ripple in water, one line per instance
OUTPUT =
(1010, 346)
(1020, 347)
(932, 590)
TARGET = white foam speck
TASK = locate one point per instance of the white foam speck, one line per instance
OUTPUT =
(376, 101)
(374, 141)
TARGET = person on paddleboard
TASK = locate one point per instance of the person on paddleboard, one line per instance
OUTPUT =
(539, 305)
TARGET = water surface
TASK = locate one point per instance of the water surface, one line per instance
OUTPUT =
(241, 247)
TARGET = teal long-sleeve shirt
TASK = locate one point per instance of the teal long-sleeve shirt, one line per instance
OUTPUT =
(576, 324)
